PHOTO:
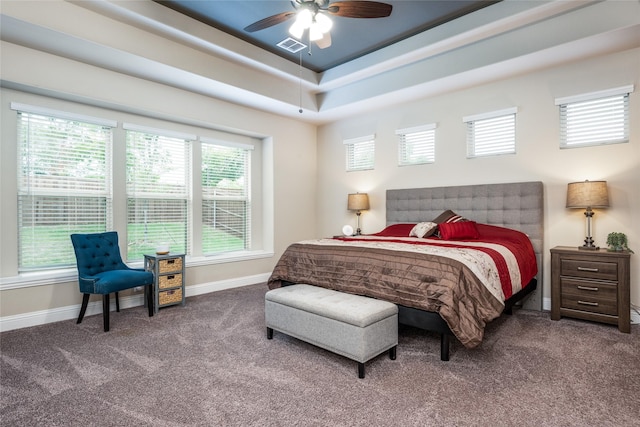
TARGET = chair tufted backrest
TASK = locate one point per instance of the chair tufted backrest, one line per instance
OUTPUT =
(97, 252)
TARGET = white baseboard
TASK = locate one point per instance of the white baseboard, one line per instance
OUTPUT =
(42, 317)
(35, 318)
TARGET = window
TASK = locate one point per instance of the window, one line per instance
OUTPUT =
(595, 118)
(416, 145)
(492, 133)
(158, 190)
(205, 191)
(360, 153)
(64, 183)
(226, 209)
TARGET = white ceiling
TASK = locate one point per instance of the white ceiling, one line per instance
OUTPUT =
(150, 41)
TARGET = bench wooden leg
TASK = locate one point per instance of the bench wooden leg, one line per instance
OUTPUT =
(269, 333)
(360, 370)
(392, 352)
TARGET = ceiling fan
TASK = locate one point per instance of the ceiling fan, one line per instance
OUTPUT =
(312, 15)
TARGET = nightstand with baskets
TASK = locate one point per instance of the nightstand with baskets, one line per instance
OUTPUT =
(168, 279)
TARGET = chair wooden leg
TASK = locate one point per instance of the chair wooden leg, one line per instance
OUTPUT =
(83, 308)
(149, 294)
(105, 311)
(117, 303)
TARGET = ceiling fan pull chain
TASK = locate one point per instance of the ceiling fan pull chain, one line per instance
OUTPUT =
(300, 76)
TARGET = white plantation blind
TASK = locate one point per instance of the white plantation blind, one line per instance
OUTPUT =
(360, 153)
(595, 118)
(416, 145)
(226, 203)
(64, 184)
(158, 190)
(491, 134)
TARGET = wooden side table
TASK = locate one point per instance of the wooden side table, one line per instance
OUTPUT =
(168, 279)
(591, 285)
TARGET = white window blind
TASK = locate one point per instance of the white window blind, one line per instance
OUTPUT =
(360, 153)
(158, 190)
(64, 184)
(492, 133)
(596, 118)
(416, 145)
(226, 208)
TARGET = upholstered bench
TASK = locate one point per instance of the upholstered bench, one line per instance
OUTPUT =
(353, 326)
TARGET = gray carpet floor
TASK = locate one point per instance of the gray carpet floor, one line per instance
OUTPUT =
(209, 364)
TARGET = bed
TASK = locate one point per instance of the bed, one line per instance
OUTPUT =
(434, 290)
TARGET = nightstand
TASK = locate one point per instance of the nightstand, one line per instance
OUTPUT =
(591, 285)
(168, 279)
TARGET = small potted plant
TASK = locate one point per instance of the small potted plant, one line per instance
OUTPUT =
(618, 242)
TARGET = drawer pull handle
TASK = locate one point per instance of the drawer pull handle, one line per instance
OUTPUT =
(172, 261)
(592, 304)
(173, 277)
(588, 288)
(592, 270)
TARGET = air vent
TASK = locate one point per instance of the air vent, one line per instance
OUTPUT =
(291, 45)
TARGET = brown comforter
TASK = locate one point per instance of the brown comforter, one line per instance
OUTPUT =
(423, 281)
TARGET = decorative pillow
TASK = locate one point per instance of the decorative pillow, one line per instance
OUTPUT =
(448, 216)
(424, 229)
(396, 230)
(458, 230)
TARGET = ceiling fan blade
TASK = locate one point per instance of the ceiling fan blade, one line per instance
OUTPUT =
(360, 9)
(269, 21)
(325, 41)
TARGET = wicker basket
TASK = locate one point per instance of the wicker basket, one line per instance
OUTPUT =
(170, 265)
(169, 297)
(170, 281)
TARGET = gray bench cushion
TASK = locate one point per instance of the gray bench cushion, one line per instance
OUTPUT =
(352, 309)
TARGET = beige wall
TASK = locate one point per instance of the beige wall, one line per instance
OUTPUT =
(538, 155)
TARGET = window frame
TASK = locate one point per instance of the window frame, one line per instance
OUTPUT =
(357, 149)
(577, 114)
(423, 138)
(62, 199)
(491, 122)
(175, 197)
(245, 198)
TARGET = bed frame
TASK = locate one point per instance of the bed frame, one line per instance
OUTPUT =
(513, 205)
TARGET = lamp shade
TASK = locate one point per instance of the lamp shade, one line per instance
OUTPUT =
(358, 202)
(587, 194)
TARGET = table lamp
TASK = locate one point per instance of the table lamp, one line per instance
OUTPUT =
(358, 202)
(588, 195)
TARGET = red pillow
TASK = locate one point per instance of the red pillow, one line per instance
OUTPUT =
(458, 230)
(396, 230)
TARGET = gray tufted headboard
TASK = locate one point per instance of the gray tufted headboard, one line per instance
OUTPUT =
(517, 205)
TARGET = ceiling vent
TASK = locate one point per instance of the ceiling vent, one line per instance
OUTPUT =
(291, 45)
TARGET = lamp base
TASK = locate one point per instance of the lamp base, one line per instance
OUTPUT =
(589, 248)
(588, 245)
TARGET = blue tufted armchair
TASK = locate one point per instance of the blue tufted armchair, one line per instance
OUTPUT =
(101, 271)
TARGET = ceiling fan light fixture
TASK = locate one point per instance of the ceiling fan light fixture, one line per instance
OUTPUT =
(324, 22)
(304, 18)
(315, 33)
(296, 30)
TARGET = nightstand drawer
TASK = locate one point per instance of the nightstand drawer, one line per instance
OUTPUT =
(584, 295)
(589, 269)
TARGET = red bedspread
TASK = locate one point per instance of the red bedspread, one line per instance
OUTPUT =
(516, 242)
